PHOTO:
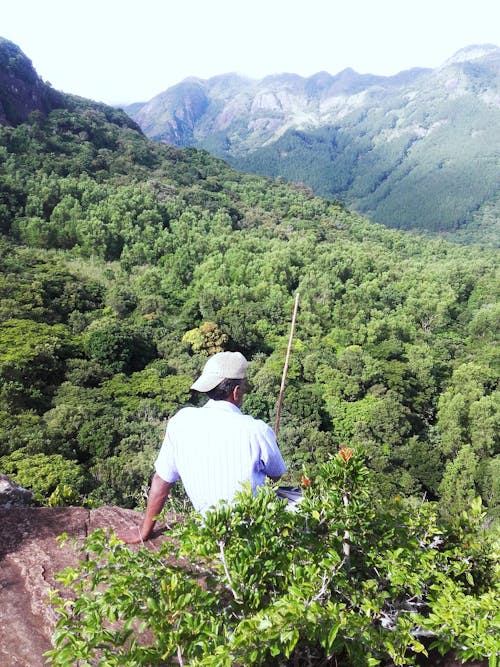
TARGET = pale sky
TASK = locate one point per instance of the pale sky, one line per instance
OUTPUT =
(122, 51)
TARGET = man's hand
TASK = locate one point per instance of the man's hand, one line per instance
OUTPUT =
(131, 536)
(157, 495)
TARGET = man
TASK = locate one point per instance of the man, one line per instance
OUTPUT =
(213, 449)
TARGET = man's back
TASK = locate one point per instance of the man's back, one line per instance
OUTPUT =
(214, 450)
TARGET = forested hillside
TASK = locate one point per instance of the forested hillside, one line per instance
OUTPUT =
(417, 150)
(125, 262)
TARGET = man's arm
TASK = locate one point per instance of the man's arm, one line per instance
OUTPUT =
(274, 466)
(158, 493)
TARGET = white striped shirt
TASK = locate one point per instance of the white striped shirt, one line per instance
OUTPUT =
(214, 450)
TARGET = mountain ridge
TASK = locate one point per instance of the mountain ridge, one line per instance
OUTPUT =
(415, 150)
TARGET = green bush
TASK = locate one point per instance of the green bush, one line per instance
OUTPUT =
(49, 476)
(343, 578)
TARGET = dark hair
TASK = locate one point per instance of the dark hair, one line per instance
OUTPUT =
(224, 389)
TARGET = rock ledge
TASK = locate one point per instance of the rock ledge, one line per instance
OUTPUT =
(30, 556)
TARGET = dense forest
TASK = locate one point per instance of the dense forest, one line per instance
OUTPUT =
(124, 263)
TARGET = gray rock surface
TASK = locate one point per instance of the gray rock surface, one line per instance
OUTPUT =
(13, 495)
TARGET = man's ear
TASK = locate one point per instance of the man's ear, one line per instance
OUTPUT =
(238, 392)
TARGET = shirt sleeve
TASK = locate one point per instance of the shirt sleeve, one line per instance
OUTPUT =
(165, 462)
(273, 463)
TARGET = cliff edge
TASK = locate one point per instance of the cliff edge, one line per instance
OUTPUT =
(22, 91)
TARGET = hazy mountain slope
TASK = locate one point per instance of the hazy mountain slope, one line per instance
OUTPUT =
(416, 150)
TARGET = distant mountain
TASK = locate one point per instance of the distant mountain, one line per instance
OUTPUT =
(418, 150)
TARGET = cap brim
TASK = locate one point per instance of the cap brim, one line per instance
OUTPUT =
(205, 383)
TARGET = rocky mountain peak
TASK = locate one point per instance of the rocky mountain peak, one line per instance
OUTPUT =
(472, 52)
(22, 91)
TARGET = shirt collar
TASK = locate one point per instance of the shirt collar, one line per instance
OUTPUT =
(226, 406)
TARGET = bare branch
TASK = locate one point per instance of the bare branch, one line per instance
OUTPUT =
(226, 570)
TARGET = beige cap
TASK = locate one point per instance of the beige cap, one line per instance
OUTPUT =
(222, 366)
